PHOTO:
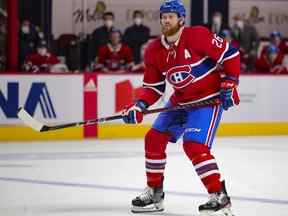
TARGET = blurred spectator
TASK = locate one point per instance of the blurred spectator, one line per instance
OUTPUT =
(248, 39)
(115, 55)
(140, 66)
(28, 40)
(278, 41)
(100, 36)
(73, 55)
(69, 48)
(41, 61)
(216, 25)
(227, 35)
(136, 35)
(272, 61)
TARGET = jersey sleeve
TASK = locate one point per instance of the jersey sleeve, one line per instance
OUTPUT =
(53, 59)
(215, 47)
(128, 54)
(101, 55)
(154, 81)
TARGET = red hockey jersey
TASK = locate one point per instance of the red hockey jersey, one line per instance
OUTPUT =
(115, 59)
(189, 65)
(36, 62)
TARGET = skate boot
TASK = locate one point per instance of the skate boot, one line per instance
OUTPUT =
(151, 200)
(218, 205)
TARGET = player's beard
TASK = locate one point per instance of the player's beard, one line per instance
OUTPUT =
(170, 31)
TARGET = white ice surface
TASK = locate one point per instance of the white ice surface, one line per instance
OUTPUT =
(101, 177)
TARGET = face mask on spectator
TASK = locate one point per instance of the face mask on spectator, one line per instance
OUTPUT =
(42, 51)
(240, 24)
(41, 35)
(138, 21)
(217, 20)
(108, 23)
(25, 29)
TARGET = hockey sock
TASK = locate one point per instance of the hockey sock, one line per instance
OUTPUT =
(204, 164)
(155, 147)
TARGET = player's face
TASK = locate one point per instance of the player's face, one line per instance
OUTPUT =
(169, 23)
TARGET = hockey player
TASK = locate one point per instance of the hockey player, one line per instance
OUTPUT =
(187, 58)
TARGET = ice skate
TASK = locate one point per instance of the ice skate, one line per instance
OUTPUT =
(151, 200)
(218, 205)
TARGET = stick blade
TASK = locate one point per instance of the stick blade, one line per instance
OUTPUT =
(29, 120)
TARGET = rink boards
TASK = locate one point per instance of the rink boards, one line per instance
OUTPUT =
(63, 98)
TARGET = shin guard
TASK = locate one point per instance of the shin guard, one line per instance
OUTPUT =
(155, 147)
(204, 164)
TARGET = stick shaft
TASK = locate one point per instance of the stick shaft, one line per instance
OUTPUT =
(185, 106)
(116, 117)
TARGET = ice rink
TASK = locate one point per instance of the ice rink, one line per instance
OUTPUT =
(89, 178)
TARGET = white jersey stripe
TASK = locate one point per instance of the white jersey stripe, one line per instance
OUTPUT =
(230, 57)
(210, 127)
(204, 175)
(204, 163)
(156, 90)
(156, 161)
(214, 120)
(155, 171)
(205, 98)
(205, 74)
(194, 64)
(154, 84)
(221, 57)
(199, 62)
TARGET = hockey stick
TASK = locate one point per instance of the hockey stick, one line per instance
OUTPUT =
(41, 127)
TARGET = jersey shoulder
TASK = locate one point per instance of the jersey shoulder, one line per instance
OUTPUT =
(153, 45)
(197, 31)
(198, 38)
(152, 48)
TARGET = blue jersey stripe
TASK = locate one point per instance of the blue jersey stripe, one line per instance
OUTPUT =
(160, 87)
(203, 67)
(231, 50)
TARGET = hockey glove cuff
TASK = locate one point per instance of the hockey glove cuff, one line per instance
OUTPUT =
(228, 93)
(133, 114)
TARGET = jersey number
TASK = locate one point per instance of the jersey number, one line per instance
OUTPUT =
(218, 41)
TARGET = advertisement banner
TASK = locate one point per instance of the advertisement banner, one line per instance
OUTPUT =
(266, 15)
(262, 100)
(259, 102)
(49, 98)
(117, 91)
(83, 16)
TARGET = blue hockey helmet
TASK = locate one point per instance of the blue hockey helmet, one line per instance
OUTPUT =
(275, 33)
(173, 6)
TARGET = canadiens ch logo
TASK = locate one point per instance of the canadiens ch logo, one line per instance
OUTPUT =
(180, 76)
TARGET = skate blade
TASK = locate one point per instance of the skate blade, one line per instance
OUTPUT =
(150, 208)
(221, 212)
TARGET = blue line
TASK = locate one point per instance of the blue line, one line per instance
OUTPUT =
(104, 187)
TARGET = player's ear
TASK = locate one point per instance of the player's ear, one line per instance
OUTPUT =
(181, 21)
